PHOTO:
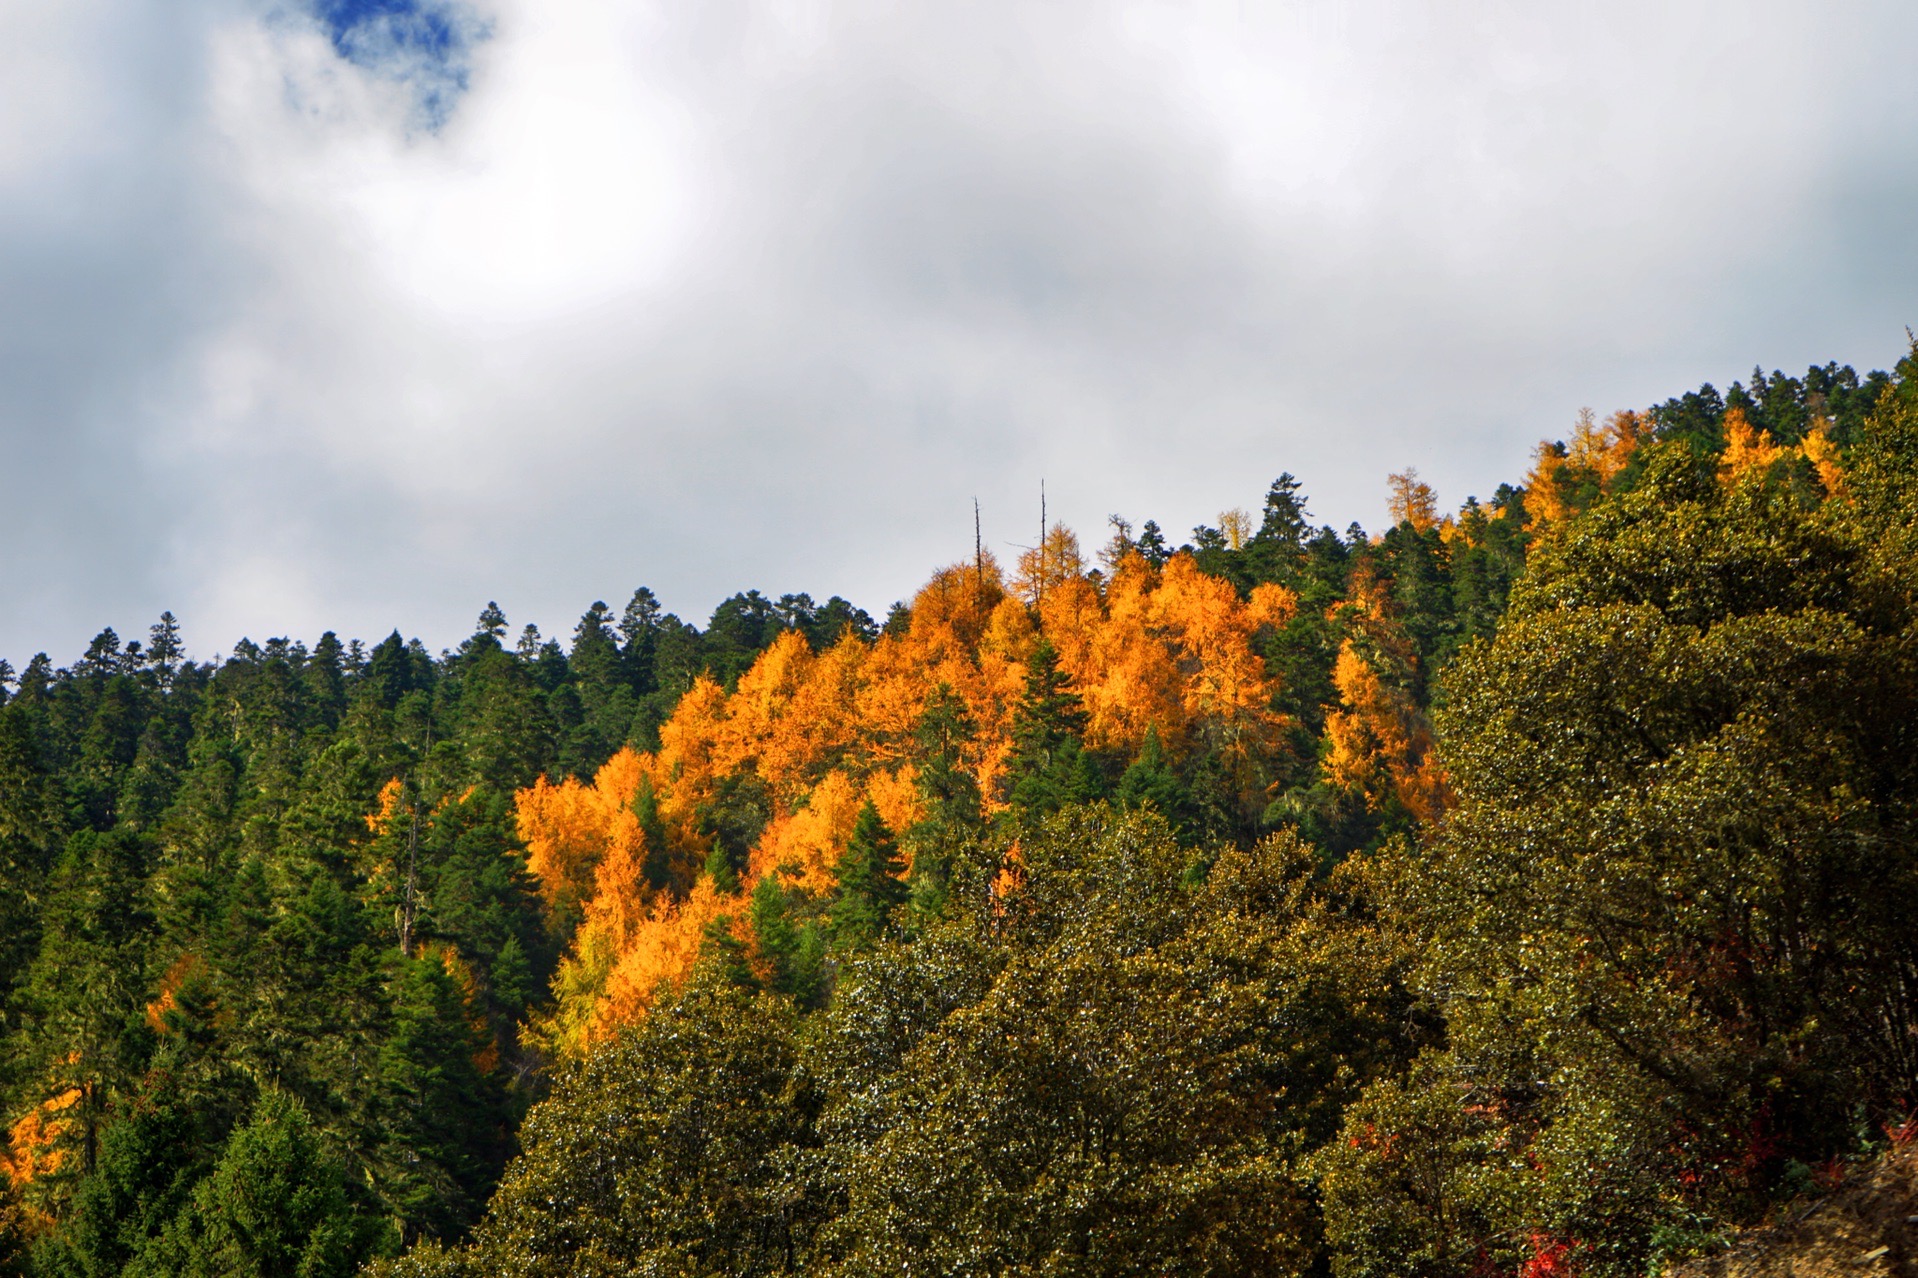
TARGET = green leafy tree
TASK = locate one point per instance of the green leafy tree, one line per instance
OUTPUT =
(682, 1147)
(1666, 920)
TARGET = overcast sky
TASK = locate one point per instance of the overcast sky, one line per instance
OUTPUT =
(359, 313)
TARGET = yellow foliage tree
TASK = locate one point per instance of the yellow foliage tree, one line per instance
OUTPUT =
(1168, 648)
(1412, 500)
(1825, 462)
(1566, 476)
(1747, 449)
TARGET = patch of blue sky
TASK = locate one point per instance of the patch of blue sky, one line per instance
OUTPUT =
(425, 44)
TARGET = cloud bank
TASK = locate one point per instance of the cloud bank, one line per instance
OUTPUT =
(360, 314)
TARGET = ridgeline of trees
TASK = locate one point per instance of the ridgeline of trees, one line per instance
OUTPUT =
(1522, 891)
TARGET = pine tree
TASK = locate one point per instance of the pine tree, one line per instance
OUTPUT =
(438, 1129)
(949, 792)
(870, 888)
(1046, 771)
(275, 1205)
(28, 832)
(86, 984)
(165, 651)
(792, 953)
(1151, 782)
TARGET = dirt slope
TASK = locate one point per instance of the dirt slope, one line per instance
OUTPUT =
(1865, 1228)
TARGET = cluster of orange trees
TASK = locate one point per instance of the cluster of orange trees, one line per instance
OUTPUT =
(1165, 650)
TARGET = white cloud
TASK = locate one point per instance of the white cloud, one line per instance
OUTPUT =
(735, 295)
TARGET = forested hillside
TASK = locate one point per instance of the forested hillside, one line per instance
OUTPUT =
(1522, 890)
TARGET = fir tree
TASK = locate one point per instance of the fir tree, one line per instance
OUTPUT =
(870, 888)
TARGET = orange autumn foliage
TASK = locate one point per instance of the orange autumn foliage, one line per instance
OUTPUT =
(572, 830)
(1380, 745)
(1747, 449)
(1412, 500)
(171, 981)
(826, 732)
(1056, 559)
(36, 1145)
(1565, 476)
(1823, 456)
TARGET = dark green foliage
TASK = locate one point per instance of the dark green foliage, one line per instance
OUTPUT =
(275, 1205)
(1049, 766)
(682, 1148)
(733, 819)
(954, 813)
(148, 1165)
(1785, 406)
(443, 1132)
(870, 886)
(82, 993)
(793, 950)
(195, 912)
(29, 830)
(1152, 782)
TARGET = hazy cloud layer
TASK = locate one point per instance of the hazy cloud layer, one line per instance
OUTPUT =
(360, 314)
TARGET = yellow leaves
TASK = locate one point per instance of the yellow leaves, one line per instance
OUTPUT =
(1752, 452)
(36, 1143)
(1746, 450)
(389, 800)
(806, 844)
(1010, 634)
(687, 740)
(661, 953)
(896, 795)
(573, 831)
(1271, 605)
(1236, 527)
(1607, 451)
(1818, 449)
(1378, 744)
(1565, 477)
(1054, 560)
(1169, 648)
(1412, 500)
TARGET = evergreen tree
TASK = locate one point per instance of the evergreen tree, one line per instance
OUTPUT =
(275, 1205)
(953, 814)
(870, 886)
(437, 1116)
(84, 991)
(1152, 782)
(792, 952)
(1047, 770)
(29, 826)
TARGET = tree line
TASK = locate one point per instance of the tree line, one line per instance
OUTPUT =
(1516, 890)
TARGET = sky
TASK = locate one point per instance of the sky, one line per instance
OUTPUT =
(358, 314)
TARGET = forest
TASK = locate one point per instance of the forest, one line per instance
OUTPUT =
(1524, 889)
